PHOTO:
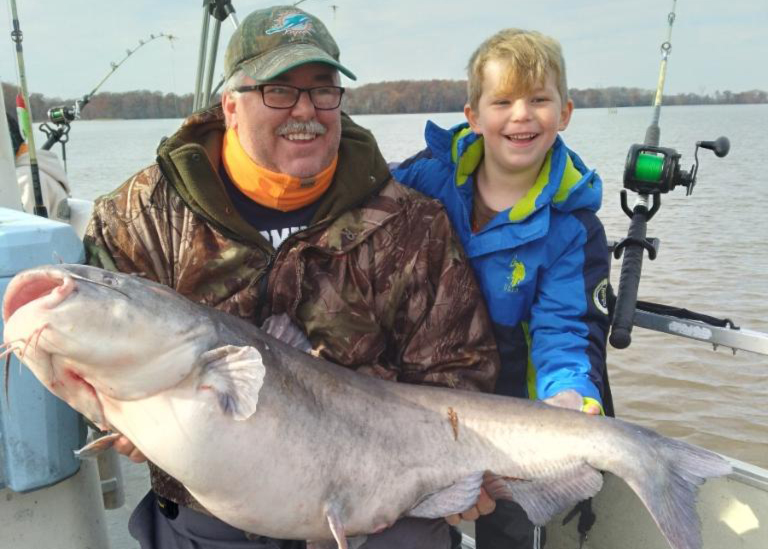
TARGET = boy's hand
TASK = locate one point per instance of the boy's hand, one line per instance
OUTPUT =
(484, 505)
(573, 401)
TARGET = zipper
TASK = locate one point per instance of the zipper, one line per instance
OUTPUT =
(263, 298)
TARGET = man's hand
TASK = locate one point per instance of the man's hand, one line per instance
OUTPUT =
(573, 401)
(484, 505)
(124, 446)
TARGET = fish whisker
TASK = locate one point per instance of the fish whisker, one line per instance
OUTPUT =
(27, 343)
(35, 335)
(7, 373)
(39, 333)
(7, 353)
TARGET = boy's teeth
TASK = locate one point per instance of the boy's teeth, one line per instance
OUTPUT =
(300, 136)
(523, 136)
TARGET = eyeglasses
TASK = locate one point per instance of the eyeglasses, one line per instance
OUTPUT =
(282, 96)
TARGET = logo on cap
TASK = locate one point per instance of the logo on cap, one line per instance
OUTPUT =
(295, 24)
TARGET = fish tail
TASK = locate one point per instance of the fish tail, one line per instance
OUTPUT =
(668, 484)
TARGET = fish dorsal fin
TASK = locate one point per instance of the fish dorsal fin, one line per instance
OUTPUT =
(545, 497)
(97, 446)
(456, 498)
(236, 375)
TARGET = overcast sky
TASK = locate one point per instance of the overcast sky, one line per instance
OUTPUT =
(69, 44)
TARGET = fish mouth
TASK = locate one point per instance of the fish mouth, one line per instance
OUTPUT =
(44, 289)
(51, 287)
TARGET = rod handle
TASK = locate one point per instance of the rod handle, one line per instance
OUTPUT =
(629, 281)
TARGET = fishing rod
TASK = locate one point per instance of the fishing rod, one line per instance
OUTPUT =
(25, 121)
(61, 116)
(649, 171)
(653, 132)
(218, 10)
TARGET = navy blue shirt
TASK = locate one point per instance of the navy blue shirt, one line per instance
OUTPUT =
(273, 225)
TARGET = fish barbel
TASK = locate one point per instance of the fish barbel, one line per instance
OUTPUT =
(245, 421)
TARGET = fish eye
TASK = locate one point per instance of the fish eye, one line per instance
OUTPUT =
(109, 280)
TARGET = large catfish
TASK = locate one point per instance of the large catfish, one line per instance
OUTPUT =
(277, 442)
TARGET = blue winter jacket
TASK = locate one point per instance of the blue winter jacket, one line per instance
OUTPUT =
(542, 264)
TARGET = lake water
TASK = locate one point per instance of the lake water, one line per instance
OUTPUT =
(713, 257)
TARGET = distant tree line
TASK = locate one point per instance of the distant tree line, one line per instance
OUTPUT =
(450, 95)
(405, 96)
(126, 105)
(635, 97)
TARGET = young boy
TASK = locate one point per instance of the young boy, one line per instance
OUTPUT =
(524, 207)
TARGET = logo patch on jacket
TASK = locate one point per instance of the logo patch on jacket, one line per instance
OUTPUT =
(516, 275)
(291, 23)
(600, 296)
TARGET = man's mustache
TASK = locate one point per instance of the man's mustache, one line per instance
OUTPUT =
(296, 126)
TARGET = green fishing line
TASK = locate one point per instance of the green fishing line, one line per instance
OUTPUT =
(649, 167)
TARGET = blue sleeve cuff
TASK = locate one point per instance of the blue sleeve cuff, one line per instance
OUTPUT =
(584, 387)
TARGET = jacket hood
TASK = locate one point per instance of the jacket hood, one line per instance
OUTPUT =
(564, 181)
(48, 162)
(190, 159)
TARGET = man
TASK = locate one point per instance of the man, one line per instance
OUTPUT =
(291, 209)
(54, 183)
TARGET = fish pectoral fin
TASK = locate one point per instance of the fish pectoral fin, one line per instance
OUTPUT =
(456, 498)
(97, 446)
(337, 526)
(235, 375)
(543, 498)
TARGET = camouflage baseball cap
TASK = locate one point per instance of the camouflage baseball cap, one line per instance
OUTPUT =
(274, 40)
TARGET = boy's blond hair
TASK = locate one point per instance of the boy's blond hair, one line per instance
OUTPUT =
(528, 57)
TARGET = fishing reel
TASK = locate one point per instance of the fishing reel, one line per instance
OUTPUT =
(58, 132)
(61, 115)
(651, 170)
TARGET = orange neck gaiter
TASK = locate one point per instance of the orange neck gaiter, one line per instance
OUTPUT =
(278, 191)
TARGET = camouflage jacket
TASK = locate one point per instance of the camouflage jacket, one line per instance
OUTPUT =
(378, 281)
